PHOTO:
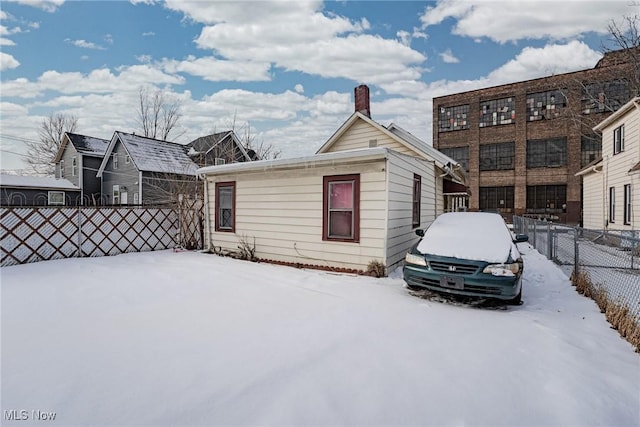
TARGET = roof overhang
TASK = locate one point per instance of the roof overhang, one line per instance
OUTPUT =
(633, 103)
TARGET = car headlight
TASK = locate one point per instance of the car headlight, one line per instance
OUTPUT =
(502, 269)
(415, 259)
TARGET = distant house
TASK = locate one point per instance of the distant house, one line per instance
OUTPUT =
(219, 149)
(358, 199)
(611, 185)
(38, 191)
(78, 160)
(139, 170)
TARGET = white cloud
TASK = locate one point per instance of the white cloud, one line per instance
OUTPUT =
(148, 34)
(511, 21)
(46, 5)
(448, 57)
(214, 69)
(6, 42)
(7, 62)
(84, 44)
(299, 88)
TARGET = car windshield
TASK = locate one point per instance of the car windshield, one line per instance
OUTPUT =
(476, 236)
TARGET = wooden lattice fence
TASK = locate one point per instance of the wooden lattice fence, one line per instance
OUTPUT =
(45, 233)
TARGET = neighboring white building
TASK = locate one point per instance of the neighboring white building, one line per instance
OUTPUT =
(358, 199)
(611, 186)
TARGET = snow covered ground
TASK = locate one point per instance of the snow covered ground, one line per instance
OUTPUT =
(165, 338)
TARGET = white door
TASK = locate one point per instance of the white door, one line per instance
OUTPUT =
(123, 198)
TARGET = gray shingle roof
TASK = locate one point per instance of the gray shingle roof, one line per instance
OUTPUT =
(88, 144)
(154, 155)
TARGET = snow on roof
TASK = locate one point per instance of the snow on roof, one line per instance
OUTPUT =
(154, 155)
(36, 182)
(479, 236)
(88, 144)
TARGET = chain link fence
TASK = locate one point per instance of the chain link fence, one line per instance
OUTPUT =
(610, 259)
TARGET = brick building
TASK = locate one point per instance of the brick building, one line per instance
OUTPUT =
(522, 143)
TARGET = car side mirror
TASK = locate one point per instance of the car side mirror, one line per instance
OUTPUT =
(420, 232)
(520, 238)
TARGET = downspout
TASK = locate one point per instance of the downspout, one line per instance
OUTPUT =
(139, 187)
(207, 226)
(81, 178)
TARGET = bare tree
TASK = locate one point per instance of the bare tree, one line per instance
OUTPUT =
(263, 150)
(40, 154)
(158, 113)
(625, 35)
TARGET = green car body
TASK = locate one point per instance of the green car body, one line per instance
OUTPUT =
(466, 277)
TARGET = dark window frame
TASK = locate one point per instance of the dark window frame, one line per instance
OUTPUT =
(459, 154)
(618, 140)
(490, 196)
(417, 200)
(220, 186)
(546, 199)
(612, 204)
(495, 112)
(627, 204)
(545, 105)
(500, 156)
(603, 96)
(590, 149)
(326, 185)
(541, 152)
(453, 118)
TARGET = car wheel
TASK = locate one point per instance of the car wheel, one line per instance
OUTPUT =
(517, 300)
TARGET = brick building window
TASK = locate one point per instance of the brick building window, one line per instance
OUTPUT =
(543, 199)
(618, 139)
(459, 154)
(453, 118)
(496, 199)
(590, 149)
(547, 153)
(497, 112)
(545, 105)
(497, 156)
(600, 97)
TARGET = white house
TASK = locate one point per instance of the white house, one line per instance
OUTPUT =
(358, 199)
(611, 185)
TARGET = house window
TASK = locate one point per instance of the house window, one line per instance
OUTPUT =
(590, 149)
(547, 153)
(545, 105)
(417, 193)
(136, 198)
(61, 168)
(497, 112)
(612, 204)
(56, 198)
(453, 118)
(497, 156)
(609, 96)
(496, 199)
(115, 161)
(544, 199)
(618, 139)
(627, 204)
(116, 194)
(74, 166)
(226, 206)
(219, 161)
(459, 154)
(341, 208)
(127, 159)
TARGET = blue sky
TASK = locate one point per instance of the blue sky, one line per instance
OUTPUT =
(284, 70)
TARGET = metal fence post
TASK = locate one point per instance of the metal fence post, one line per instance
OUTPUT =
(549, 242)
(576, 256)
(79, 243)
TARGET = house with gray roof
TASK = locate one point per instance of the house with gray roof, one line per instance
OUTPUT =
(78, 160)
(16, 190)
(138, 170)
(218, 149)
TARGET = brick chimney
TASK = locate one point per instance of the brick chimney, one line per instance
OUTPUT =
(361, 95)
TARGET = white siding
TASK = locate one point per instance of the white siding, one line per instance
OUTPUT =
(282, 210)
(592, 201)
(360, 133)
(616, 168)
(401, 235)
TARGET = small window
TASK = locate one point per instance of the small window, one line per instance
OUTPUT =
(618, 140)
(225, 206)
(127, 159)
(56, 198)
(115, 161)
(341, 208)
(61, 168)
(219, 161)
(373, 143)
(612, 204)
(136, 198)
(116, 194)
(417, 199)
(627, 204)
(74, 166)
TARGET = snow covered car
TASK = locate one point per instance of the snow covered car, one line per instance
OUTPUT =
(467, 253)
